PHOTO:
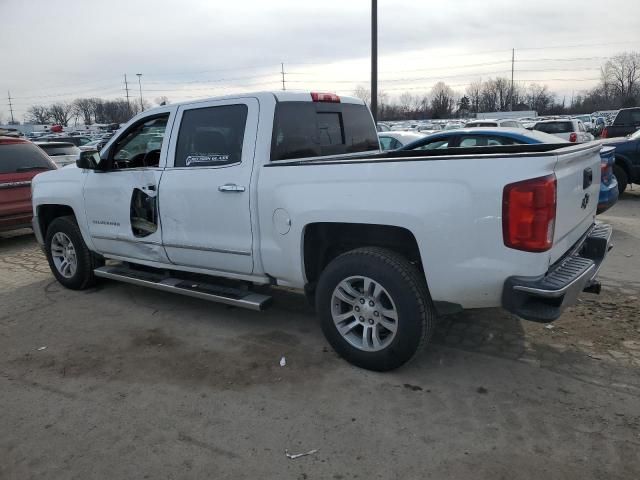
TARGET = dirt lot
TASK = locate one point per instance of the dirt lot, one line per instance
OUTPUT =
(123, 382)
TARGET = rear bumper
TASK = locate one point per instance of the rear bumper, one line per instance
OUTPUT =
(542, 299)
(15, 222)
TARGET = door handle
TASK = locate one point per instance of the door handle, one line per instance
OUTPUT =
(231, 187)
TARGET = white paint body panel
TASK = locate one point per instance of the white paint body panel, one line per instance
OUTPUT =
(452, 206)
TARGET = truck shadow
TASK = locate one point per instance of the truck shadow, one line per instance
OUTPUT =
(491, 331)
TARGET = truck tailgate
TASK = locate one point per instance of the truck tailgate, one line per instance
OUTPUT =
(578, 175)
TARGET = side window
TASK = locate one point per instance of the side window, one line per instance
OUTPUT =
(141, 146)
(484, 141)
(385, 143)
(211, 136)
(436, 144)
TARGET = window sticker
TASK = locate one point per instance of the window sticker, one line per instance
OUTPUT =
(200, 158)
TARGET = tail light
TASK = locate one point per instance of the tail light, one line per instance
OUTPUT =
(325, 97)
(605, 132)
(573, 137)
(605, 173)
(529, 214)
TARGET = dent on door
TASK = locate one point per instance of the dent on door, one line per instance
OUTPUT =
(144, 213)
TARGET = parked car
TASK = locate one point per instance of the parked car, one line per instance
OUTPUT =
(587, 121)
(307, 200)
(395, 140)
(20, 161)
(62, 153)
(94, 144)
(383, 127)
(492, 137)
(609, 190)
(481, 137)
(568, 128)
(494, 123)
(75, 139)
(627, 159)
(626, 122)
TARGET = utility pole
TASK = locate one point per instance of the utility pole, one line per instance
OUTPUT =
(513, 61)
(126, 87)
(282, 72)
(11, 107)
(374, 59)
(140, 85)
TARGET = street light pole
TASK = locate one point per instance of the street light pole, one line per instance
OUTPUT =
(374, 59)
(140, 85)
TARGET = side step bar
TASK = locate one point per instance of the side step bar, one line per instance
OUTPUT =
(205, 291)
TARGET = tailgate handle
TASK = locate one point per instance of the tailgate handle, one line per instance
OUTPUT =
(587, 178)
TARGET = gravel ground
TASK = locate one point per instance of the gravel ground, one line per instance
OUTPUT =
(125, 382)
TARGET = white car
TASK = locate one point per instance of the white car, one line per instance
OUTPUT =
(395, 140)
(570, 129)
(494, 123)
(62, 153)
(209, 198)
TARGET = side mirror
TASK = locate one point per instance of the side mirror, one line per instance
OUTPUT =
(89, 159)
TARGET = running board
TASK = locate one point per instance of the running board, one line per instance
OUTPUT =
(205, 291)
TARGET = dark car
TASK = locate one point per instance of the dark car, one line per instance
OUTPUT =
(77, 140)
(627, 121)
(20, 161)
(627, 166)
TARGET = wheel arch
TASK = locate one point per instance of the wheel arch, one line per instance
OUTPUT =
(324, 241)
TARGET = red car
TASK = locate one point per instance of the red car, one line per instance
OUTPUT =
(20, 161)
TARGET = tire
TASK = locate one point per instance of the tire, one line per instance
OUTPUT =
(61, 230)
(621, 176)
(401, 289)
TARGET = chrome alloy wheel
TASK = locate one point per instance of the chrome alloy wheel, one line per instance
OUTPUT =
(364, 313)
(63, 254)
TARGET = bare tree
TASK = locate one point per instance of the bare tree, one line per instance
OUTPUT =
(539, 98)
(162, 100)
(85, 109)
(474, 92)
(38, 114)
(442, 100)
(622, 74)
(363, 94)
(61, 112)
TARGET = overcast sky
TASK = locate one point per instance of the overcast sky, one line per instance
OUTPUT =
(62, 49)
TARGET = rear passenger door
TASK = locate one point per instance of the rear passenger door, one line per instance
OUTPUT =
(205, 190)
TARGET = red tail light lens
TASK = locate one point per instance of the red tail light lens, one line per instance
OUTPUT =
(529, 214)
(605, 173)
(605, 132)
(325, 97)
(573, 137)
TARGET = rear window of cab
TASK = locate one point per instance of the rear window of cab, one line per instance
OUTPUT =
(314, 129)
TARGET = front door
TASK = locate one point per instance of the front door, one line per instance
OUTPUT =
(205, 190)
(121, 197)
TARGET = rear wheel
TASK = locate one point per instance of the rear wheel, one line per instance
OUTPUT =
(71, 262)
(621, 177)
(374, 308)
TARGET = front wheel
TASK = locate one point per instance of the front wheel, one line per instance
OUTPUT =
(71, 262)
(374, 308)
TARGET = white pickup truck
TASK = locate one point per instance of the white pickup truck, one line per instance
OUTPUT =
(212, 198)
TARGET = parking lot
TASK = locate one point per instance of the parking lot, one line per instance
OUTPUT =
(123, 382)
